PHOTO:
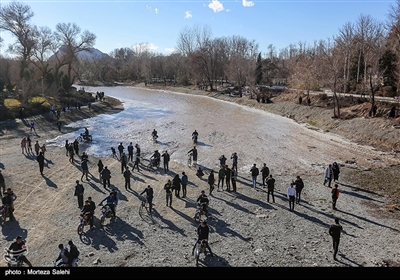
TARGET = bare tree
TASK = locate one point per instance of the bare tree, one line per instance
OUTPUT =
(72, 41)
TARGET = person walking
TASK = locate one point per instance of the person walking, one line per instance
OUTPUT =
(184, 182)
(264, 174)
(328, 175)
(85, 169)
(211, 180)
(233, 178)
(291, 195)
(23, 145)
(149, 196)
(202, 234)
(136, 163)
(66, 146)
(100, 167)
(335, 195)
(234, 158)
(270, 188)
(254, 173)
(106, 176)
(335, 171)
(71, 152)
(334, 231)
(32, 125)
(40, 160)
(176, 184)
(76, 147)
(137, 149)
(79, 191)
(168, 192)
(299, 187)
(127, 176)
(221, 177)
(194, 155)
(166, 159)
(59, 125)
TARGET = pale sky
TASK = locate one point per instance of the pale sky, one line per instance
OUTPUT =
(158, 23)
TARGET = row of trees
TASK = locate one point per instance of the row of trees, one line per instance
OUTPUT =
(362, 57)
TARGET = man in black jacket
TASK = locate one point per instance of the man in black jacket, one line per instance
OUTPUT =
(40, 160)
(149, 195)
(19, 246)
(334, 231)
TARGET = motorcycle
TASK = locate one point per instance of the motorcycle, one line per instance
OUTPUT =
(202, 210)
(84, 221)
(13, 258)
(106, 212)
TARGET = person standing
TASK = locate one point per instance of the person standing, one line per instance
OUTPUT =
(79, 191)
(222, 160)
(37, 148)
(85, 169)
(8, 200)
(66, 147)
(2, 184)
(271, 188)
(233, 178)
(168, 192)
(40, 160)
(124, 162)
(335, 195)
(149, 196)
(120, 149)
(228, 176)
(166, 159)
(59, 125)
(33, 126)
(29, 144)
(176, 184)
(221, 177)
(334, 231)
(184, 182)
(100, 167)
(71, 152)
(291, 195)
(106, 176)
(234, 159)
(194, 155)
(211, 180)
(137, 149)
(299, 187)
(127, 176)
(328, 175)
(335, 171)
(264, 173)
(130, 152)
(254, 173)
(76, 146)
(23, 144)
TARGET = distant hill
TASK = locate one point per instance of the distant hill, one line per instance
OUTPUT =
(91, 54)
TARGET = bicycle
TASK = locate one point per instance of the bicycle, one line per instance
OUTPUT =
(143, 203)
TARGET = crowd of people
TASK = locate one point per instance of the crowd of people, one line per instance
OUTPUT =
(226, 175)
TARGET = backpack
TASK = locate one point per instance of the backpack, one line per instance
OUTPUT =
(74, 252)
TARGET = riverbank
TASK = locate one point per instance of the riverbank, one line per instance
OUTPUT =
(263, 234)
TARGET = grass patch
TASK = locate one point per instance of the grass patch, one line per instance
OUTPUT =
(11, 103)
(311, 122)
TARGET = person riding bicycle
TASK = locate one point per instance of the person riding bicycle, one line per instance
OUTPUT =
(155, 158)
(111, 201)
(203, 202)
(202, 234)
(154, 134)
(18, 247)
(149, 196)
